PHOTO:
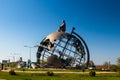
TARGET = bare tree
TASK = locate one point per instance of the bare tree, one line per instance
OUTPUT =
(106, 63)
(91, 63)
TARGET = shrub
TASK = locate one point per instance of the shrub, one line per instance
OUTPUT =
(12, 72)
(114, 68)
(92, 73)
(50, 73)
(23, 69)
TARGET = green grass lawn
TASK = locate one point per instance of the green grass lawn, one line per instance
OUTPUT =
(43, 69)
(43, 76)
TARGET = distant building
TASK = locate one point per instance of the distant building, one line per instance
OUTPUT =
(102, 67)
(5, 61)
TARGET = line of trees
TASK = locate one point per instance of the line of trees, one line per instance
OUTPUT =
(113, 67)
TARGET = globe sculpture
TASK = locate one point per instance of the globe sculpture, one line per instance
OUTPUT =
(61, 50)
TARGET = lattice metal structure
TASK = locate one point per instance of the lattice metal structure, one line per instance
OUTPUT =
(62, 49)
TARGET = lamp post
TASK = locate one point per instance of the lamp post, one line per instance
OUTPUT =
(13, 55)
(29, 51)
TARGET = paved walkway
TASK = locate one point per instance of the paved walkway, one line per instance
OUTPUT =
(57, 72)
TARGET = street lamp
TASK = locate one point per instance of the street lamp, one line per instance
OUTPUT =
(13, 55)
(29, 51)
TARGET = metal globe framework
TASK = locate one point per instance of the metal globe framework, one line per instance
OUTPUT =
(62, 49)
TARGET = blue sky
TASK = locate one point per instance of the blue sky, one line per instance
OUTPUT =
(26, 22)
